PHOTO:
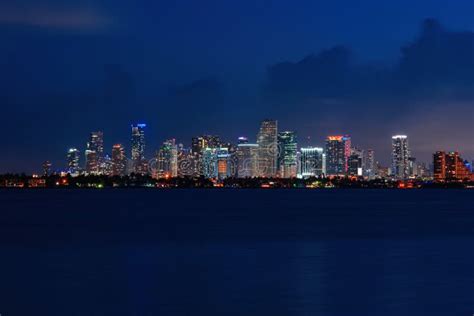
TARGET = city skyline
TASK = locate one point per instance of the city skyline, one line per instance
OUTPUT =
(275, 153)
(408, 73)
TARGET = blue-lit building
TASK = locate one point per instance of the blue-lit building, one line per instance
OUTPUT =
(139, 163)
(73, 157)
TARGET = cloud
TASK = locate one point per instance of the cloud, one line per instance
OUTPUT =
(54, 17)
(439, 64)
(428, 91)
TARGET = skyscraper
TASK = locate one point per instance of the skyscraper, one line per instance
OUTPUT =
(94, 153)
(73, 156)
(370, 167)
(287, 162)
(400, 157)
(139, 164)
(247, 160)
(450, 167)
(209, 163)
(119, 160)
(92, 162)
(167, 160)
(199, 145)
(312, 162)
(267, 140)
(338, 150)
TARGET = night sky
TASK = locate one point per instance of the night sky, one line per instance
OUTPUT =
(367, 68)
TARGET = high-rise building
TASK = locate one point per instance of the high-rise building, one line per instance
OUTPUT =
(92, 162)
(139, 163)
(209, 163)
(199, 145)
(247, 160)
(216, 163)
(287, 156)
(355, 165)
(187, 163)
(370, 165)
(94, 153)
(106, 167)
(338, 150)
(267, 140)
(167, 160)
(73, 156)
(224, 163)
(400, 157)
(450, 167)
(119, 160)
(312, 162)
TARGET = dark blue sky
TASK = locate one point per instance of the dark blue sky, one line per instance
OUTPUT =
(192, 67)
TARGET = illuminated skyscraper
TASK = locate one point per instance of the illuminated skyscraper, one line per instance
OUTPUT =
(94, 153)
(92, 162)
(167, 160)
(450, 167)
(267, 140)
(199, 145)
(224, 163)
(287, 162)
(119, 160)
(370, 166)
(312, 162)
(247, 160)
(400, 157)
(209, 163)
(338, 150)
(139, 164)
(73, 156)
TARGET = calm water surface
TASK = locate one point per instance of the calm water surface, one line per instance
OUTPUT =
(237, 252)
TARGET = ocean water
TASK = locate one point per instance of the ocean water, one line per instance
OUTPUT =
(236, 252)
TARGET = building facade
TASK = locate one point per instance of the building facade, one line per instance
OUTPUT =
(139, 163)
(119, 160)
(400, 157)
(312, 162)
(338, 150)
(267, 140)
(73, 158)
(449, 166)
(247, 160)
(287, 154)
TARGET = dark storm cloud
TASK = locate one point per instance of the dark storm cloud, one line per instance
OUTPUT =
(439, 64)
(53, 14)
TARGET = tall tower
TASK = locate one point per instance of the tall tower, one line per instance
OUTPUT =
(287, 160)
(267, 140)
(73, 162)
(139, 164)
(247, 160)
(119, 160)
(94, 152)
(400, 157)
(167, 159)
(338, 151)
(370, 167)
